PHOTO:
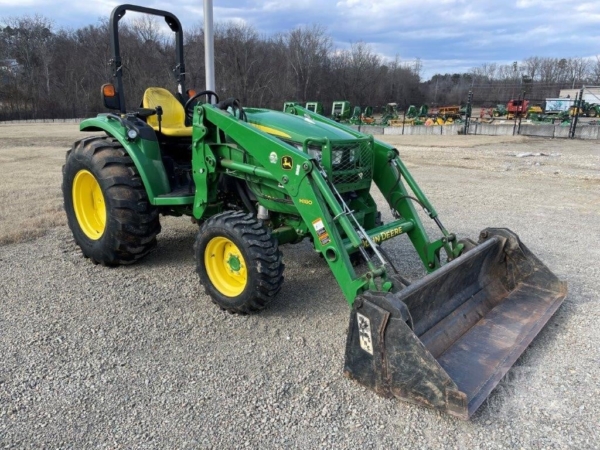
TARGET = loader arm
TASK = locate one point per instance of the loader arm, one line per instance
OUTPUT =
(446, 340)
(389, 170)
(388, 174)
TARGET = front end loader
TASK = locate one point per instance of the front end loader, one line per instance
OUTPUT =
(255, 179)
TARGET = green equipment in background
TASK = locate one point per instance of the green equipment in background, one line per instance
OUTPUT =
(499, 111)
(389, 113)
(340, 111)
(316, 107)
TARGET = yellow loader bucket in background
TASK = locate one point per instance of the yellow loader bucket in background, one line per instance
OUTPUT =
(447, 340)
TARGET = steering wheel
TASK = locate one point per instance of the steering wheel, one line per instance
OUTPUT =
(234, 107)
(189, 105)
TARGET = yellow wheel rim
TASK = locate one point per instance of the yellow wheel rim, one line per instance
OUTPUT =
(225, 266)
(88, 202)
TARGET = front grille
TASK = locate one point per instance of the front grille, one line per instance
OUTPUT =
(351, 164)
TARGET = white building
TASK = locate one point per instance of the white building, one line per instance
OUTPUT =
(590, 94)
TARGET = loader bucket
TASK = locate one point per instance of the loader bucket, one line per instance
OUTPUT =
(448, 339)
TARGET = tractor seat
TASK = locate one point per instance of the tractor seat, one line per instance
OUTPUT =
(173, 117)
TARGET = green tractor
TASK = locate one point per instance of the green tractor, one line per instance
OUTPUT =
(591, 109)
(499, 111)
(256, 179)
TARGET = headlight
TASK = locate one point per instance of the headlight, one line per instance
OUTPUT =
(132, 134)
(337, 156)
(313, 150)
(315, 153)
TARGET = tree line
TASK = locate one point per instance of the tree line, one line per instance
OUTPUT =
(535, 78)
(57, 73)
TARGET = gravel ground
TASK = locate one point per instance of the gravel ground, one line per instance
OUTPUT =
(138, 356)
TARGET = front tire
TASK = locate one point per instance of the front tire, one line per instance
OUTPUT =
(107, 207)
(238, 262)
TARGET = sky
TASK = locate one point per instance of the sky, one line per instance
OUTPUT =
(448, 36)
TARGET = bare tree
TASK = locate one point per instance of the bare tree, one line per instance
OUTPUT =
(596, 70)
(29, 40)
(531, 66)
(308, 50)
(580, 69)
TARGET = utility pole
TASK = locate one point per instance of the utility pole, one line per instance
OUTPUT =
(468, 112)
(209, 47)
(515, 66)
(578, 105)
(523, 111)
(518, 112)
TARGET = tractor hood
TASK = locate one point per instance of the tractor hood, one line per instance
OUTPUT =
(293, 128)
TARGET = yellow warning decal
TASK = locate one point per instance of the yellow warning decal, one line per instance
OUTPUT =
(321, 232)
(270, 130)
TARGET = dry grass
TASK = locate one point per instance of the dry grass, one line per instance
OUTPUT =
(31, 159)
(32, 155)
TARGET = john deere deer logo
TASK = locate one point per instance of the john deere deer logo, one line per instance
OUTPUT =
(287, 163)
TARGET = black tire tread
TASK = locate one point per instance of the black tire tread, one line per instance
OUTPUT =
(133, 223)
(262, 249)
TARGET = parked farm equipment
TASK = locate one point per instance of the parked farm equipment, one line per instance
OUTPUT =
(590, 109)
(255, 179)
(445, 115)
(412, 116)
(499, 110)
(516, 108)
(534, 110)
(356, 116)
(360, 117)
(421, 113)
(390, 113)
(448, 112)
(513, 108)
(316, 107)
(340, 111)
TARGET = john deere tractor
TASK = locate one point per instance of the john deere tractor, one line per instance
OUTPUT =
(256, 179)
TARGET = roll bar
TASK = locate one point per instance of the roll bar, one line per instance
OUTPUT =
(174, 24)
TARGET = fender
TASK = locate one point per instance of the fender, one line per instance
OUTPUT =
(144, 151)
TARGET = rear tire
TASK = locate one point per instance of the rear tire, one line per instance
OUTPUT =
(238, 262)
(107, 207)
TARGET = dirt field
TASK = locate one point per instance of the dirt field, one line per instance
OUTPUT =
(138, 356)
